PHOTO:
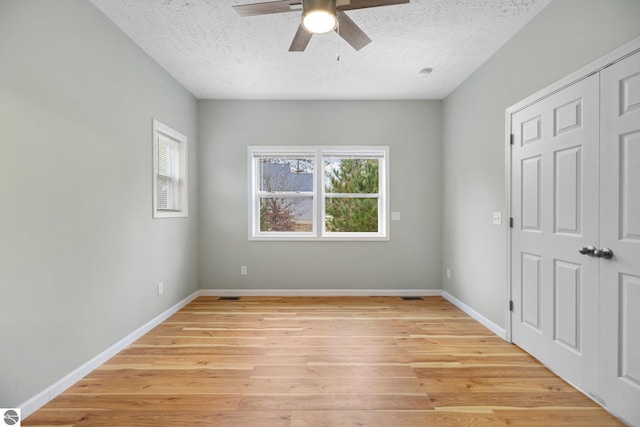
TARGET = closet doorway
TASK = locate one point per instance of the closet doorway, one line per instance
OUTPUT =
(574, 245)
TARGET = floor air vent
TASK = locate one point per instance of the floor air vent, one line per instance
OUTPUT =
(412, 298)
(229, 299)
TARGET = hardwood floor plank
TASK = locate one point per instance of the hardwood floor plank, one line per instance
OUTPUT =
(49, 418)
(223, 361)
(515, 400)
(537, 418)
(331, 341)
(194, 350)
(146, 402)
(335, 402)
(348, 371)
(183, 418)
(484, 372)
(331, 350)
(392, 418)
(504, 385)
(581, 417)
(496, 350)
(162, 384)
(321, 361)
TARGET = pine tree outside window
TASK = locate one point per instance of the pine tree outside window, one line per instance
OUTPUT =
(351, 194)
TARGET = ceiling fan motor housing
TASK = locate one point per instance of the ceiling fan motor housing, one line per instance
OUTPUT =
(319, 16)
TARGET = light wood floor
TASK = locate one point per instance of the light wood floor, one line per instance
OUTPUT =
(378, 361)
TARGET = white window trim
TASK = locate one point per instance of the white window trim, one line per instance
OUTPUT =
(180, 193)
(318, 233)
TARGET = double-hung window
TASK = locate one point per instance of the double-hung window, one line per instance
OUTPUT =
(169, 172)
(318, 193)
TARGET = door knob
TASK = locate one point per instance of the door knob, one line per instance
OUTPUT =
(605, 253)
(587, 250)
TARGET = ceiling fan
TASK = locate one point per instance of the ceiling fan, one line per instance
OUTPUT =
(318, 17)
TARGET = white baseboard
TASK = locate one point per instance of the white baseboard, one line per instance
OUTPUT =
(320, 292)
(499, 331)
(48, 394)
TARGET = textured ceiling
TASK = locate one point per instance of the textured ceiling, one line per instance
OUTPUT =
(216, 54)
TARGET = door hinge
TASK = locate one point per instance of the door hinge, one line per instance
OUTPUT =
(510, 222)
(511, 139)
(510, 305)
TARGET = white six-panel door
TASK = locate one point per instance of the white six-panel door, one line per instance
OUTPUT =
(554, 204)
(620, 231)
(575, 242)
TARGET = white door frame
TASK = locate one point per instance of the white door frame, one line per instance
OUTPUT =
(596, 66)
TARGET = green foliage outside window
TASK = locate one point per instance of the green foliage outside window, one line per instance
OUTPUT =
(353, 214)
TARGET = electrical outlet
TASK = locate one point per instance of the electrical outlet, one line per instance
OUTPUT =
(243, 270)
(448, 273)
(160, 288)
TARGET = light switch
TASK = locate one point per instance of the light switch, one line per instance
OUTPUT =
(497, 218)
(395, 216)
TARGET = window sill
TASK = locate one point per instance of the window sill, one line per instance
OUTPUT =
(170, 214)
(319, 239)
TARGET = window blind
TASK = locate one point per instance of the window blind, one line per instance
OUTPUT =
(165, 172)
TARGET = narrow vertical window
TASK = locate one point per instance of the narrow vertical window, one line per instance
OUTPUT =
(169, 172)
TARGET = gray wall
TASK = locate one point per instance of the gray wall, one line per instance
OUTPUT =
(80, 255)
(411, 260)
(565, 36)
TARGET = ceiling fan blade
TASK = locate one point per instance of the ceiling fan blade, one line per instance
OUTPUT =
(363, 4)
(351, 33)
(300, 40)
(266, 8)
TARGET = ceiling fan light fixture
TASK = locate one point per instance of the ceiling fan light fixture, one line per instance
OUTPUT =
(319, 16)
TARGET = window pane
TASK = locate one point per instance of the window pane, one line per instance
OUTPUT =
(165, 156)
(163, 189)
(288, 214)
(350, 215)
(349, 175)
(286, 174)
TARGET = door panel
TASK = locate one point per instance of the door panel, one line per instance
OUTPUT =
(532, 130)
(629, 92)
(619, 365)
(567, 117)
(531, 291)
(568, 310)
(567, 190)
(630, 186)
(531, 193)
(629, 320)
(555, 209)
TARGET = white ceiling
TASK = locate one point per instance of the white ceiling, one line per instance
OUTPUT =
(216, 54)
